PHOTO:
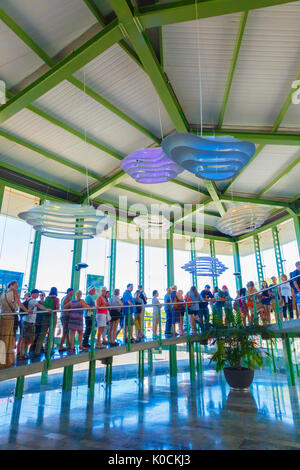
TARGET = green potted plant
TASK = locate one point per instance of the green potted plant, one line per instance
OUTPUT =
(237, 352)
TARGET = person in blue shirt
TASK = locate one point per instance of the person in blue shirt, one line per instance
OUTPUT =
(223, 300)
(168, 310)
(88, 316)
(204, 311)
(128, 300)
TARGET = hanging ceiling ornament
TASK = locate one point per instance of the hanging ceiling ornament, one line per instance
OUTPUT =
(150, 166)
(152, 224)
(211, 158)
(242, 219)
(68, 221)
(205, 266)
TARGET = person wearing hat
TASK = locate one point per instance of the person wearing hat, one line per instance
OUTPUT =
(64, 318)
(88, 315)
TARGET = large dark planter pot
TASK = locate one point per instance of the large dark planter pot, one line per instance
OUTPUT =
(239, 379)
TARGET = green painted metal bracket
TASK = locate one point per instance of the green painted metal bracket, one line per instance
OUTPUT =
(215, 197)
(106, 184)
(34, 260)
(101, 19)
(184, 10)
(255, 200)
(277, 250)
(66, 67)
(236, 52)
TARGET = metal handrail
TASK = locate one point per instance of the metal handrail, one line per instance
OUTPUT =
(109, 307)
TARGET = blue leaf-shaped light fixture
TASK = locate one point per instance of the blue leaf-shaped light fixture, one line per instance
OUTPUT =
(212, 158)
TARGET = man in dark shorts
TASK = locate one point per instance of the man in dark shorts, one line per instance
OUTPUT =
(88, 316)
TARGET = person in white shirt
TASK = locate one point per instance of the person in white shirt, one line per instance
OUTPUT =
(286, 297)
(156, 307)
(28, 332)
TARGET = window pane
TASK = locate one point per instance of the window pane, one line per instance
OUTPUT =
(95, 253)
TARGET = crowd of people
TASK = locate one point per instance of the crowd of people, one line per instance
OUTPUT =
(27, 333)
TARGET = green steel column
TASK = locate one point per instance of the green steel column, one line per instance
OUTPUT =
(192, 362)
(297, 230)
(1, 195)
(237, 265)
(141, 259)
(170, 258)
(141, 365)
(173, 360)
(277, 251)
(75, 277)
(259, 265)
(193, 256)
(213, 255)
(19, 387)
(34, 260)
(150, 360)
(67, 378)
(113, 253)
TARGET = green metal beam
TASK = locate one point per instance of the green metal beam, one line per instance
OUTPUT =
(275, 127)
(297, 230)
(237, 265)
(2, 187)
(277, 250)
(170, 258)
(213, 255)
(113, 258)
(255, 200)
(281, 174)
(236, 52)
(66, 67)
(141, 259)
(74, 81)
(180, 11)
(34, 260)
(38, 178)
(258, 138)
(215, 197)
(259, 265)
(101, 19)
(46, 154)
(106, 184)
(134, 30)
(75, 276)
(193, 256)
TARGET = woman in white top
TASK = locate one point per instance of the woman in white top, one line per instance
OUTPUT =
(286, 297)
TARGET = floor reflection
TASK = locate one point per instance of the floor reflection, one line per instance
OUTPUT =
(159, 413)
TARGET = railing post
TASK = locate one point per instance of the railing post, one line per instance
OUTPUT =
(187, 323)
(159, 327)
(128, 329)
(150, 360)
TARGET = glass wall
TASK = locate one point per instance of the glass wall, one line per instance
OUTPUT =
(224, 254)
(16, 236)
(248, 261)
(95, 253)
(127, 266)
(55, 264)
(182, 255)
(155, 270)
(289, 246)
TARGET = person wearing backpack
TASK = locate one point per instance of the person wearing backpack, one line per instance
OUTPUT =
(52, 303)
(28, 331)
(193, 299)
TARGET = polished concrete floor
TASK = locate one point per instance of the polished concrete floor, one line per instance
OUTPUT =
(161, 413)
